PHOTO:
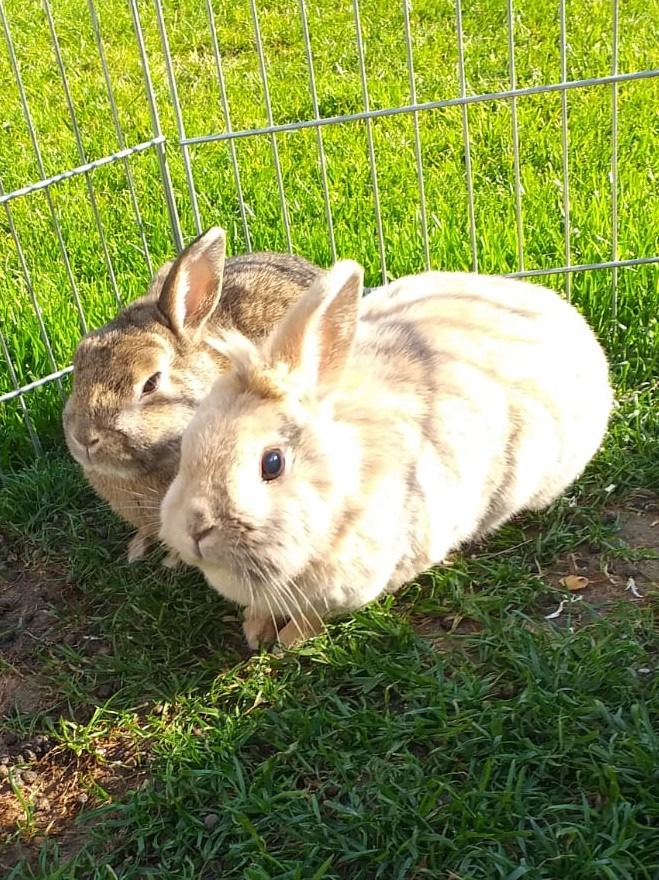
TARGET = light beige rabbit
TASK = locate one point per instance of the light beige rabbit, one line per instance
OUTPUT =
(139, 378)
(365, 440)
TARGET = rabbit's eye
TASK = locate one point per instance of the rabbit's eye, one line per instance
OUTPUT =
(151, 384)
(272, 464)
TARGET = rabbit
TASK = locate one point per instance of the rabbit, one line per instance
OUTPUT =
(139, 378)
(364, 440)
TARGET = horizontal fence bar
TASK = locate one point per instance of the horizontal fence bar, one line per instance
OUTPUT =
(427, 105)
(584, 267)
(10, 395)
(81, 169)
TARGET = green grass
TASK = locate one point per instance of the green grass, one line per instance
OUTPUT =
(378, 751)
(522, 751)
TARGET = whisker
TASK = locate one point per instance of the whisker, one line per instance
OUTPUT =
(289, 588)
(272, 615)
(312, 607)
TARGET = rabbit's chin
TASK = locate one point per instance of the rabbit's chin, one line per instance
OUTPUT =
(225, 580)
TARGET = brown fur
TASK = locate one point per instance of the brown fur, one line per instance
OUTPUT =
(169, 330)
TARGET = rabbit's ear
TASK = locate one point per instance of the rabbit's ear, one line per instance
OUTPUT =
(316, 335)
(193, 287)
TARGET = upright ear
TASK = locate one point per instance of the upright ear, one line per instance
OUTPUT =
(192, 289)
(316, 335)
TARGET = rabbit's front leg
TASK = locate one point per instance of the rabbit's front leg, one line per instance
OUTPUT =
(297, 631)
(259, 627)
(138, 546)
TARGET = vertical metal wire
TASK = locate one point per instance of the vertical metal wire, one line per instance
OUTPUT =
(34, 437)
(165, 177)
(30, 289)
(119, 131)
(227, 123)
(513, 108)
(417, 136)
(273, 138)
(40, 166)
(178, 115)
(369, 137)
(465, 134)
(81, 149)
(319, 134)
(564, 137)
(614, 164)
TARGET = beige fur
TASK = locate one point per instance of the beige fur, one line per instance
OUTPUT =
(411, 421)
(127, 442)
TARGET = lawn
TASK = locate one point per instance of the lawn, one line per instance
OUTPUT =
(452, 731)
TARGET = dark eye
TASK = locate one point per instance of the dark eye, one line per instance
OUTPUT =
(272, 464)
(151, 384)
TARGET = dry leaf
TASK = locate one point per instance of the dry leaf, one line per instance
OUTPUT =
(574, 582)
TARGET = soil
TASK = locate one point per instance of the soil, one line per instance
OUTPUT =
(53, 781)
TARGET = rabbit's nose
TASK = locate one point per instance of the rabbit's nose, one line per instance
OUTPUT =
(200, 524)
(92, 444)
(200, 534)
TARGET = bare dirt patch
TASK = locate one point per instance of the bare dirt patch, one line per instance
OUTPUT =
(602, 578)
(45, 786)
(443, 632)
(43, 798)
(27, 623)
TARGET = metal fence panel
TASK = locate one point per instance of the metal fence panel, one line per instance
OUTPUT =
(126, 235)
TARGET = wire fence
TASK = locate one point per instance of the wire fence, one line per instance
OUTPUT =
(171, 198)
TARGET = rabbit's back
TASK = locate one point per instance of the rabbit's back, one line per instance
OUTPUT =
(505, 379)
(258, 288)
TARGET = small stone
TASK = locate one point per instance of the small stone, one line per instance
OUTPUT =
(104, 691)
(4, 760)
(42, 744)
(83, 797)
(29, 776)
(29, 755)
(4, 771)
(211, 820)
